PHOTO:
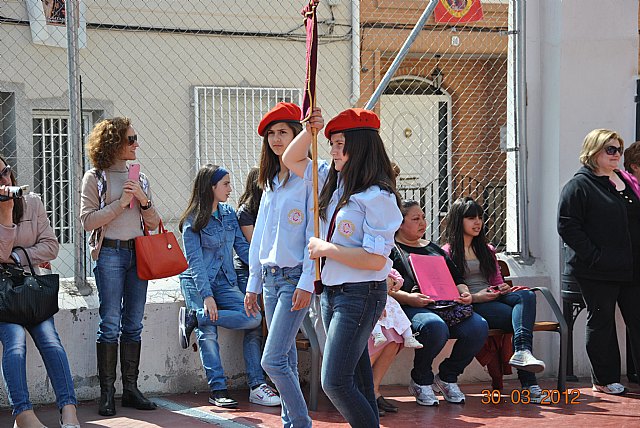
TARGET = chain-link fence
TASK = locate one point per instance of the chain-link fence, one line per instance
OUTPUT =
(197, 76)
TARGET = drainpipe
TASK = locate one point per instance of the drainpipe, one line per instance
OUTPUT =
(355, 52)
(637, 100)
(521, 131)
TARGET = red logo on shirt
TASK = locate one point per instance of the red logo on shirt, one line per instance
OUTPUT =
(295, 216)
(346, 228)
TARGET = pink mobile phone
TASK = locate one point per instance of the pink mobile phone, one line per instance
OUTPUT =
(134, 174)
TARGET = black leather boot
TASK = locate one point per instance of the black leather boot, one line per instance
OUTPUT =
(129, 362)
(107, 354)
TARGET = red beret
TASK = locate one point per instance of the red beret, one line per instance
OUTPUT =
(350, 119)
(282, 112)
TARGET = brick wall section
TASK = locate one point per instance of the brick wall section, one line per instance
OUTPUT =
(476, 76)
(478, 90)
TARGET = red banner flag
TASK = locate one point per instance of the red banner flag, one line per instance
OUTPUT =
(311, 24)
(456, 11)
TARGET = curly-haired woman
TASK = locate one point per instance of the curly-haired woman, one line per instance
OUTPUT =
(113, 207)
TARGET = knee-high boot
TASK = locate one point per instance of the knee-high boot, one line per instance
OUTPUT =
(129, 362)
(107, 354)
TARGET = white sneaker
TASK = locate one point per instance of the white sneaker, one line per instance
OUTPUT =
(612, 388)
(378, 339)
(450, 391)
(535, 393)
(412, 342)
(525, 360)
(423, 393)
(264, 395)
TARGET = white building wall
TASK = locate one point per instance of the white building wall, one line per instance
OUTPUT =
(582, 61)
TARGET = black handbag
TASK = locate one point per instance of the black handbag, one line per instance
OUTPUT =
(26, 298)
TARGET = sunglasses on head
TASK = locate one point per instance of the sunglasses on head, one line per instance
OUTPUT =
(132, 139)
(612, 150)
(6, 171)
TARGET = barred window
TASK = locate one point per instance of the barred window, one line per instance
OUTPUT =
(227, 120)
(52, 170)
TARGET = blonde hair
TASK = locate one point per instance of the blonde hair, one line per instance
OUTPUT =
(593, 143)
(106, 141)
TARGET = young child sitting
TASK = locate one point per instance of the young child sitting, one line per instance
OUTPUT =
(393, 317)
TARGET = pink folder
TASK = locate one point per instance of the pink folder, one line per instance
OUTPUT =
(434, 277)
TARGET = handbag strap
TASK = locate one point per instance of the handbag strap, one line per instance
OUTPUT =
(161, 229)
(28, 258)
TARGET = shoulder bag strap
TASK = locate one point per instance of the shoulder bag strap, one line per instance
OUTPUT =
(405, 263)
(332, 228)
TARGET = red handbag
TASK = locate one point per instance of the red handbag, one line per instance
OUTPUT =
(159, 256)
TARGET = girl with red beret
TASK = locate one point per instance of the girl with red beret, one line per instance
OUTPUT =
(359, 212)
(278, 259)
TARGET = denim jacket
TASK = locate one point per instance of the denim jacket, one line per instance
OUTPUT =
(210, 251)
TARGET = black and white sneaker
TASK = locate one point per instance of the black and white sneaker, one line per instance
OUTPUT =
(221, 398)
(187, 321)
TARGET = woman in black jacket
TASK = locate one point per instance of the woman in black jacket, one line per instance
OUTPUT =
(599, 220)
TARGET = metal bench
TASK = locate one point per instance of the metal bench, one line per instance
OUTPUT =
(559, 326)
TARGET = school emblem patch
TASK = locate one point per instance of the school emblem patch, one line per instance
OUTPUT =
(295, 216)
(345, 228)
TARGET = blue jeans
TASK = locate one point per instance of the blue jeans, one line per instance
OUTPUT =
(434, 333)
(280, 357)
(252, 342)
(14, 363)
(515, 312)
(231, 315)
(349, 313)
(122, 296)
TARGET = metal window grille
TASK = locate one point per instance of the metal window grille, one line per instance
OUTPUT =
(52, 166)
(226, 120)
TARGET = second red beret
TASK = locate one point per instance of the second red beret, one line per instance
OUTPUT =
(351, 119)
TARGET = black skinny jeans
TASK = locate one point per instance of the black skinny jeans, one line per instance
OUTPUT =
(602, 342)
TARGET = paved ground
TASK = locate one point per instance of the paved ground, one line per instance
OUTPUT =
(578, 408)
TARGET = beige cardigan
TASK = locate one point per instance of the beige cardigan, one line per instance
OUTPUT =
(33, 232)
(92, 217)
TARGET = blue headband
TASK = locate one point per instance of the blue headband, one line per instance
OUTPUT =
(218, 175)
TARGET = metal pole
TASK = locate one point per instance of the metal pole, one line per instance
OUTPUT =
(403, 52)
(75, 140)
(521, 122)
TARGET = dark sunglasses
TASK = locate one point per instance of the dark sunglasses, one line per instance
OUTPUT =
(612, 150)
(132, 139)
(6, 171)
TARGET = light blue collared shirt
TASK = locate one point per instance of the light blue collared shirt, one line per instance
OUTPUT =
(369, 220)
(282, 231)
